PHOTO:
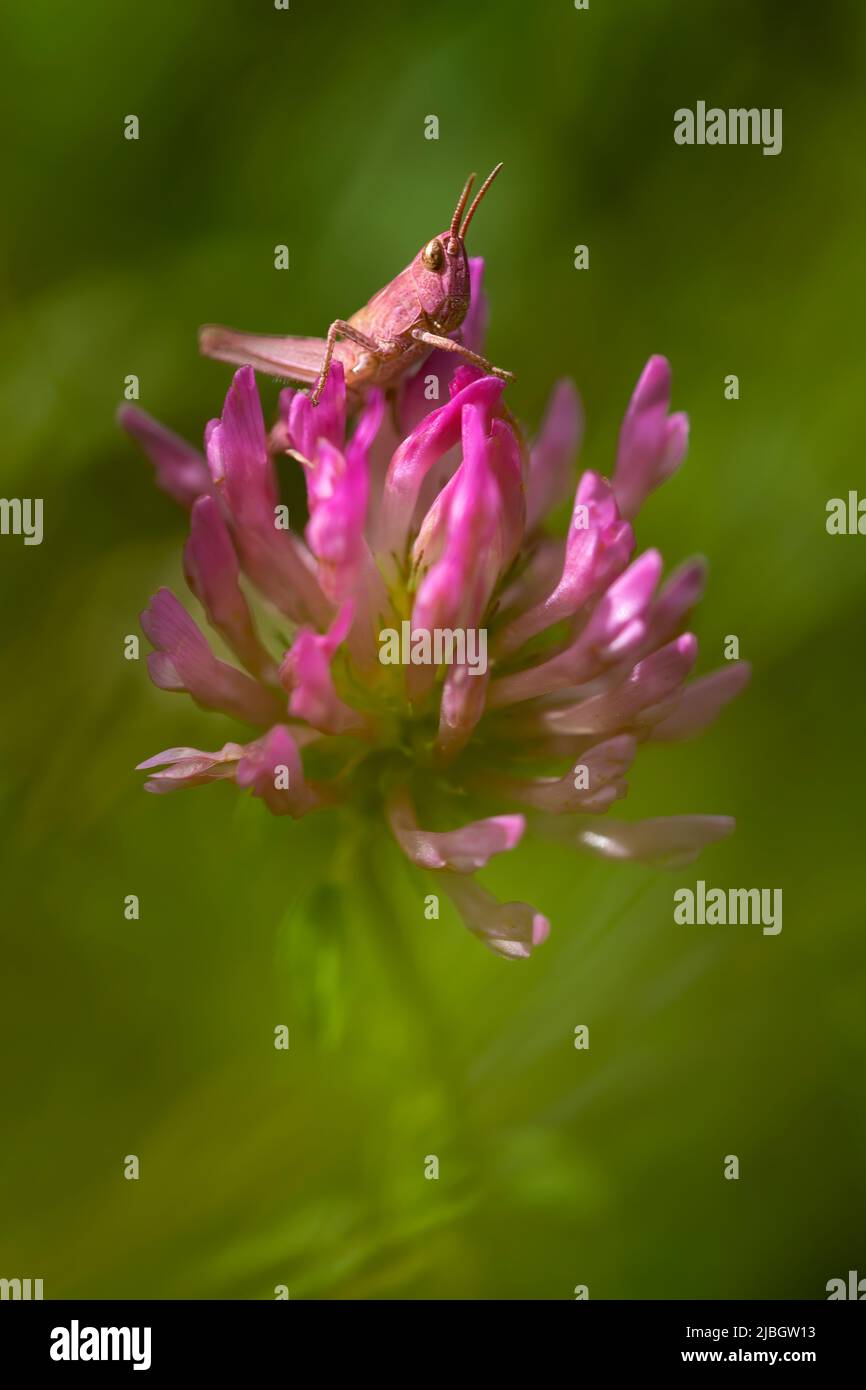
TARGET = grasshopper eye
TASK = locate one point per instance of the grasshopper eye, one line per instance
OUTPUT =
(433, 255)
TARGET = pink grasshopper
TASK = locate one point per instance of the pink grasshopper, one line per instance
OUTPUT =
(419, 310)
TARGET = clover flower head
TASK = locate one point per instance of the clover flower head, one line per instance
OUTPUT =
(428, 518)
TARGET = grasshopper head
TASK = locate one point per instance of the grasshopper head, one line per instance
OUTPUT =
(441, 268)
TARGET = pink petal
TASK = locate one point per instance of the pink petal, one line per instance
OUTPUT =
(184, 661)
(190, 767)
(666, 842)
(463, 850)
(490, 450)
(477, 527)
(606, 765)
(553, 453)
(510, 929)
(464, 695)
(306, 673)
(212, 572)
(337, 498)
(180, 469)
(338, 485)
(673, 604)
(474, 531)
(642, 698)
(473, 330)
(652, 444)
(427, 443)
(614, 631)
(238, 454)
(507, 466)
(269, 763)
(623, 603)
(595, 553)
(536, 579)
(276, 561)
(308, 423)
(702, 701)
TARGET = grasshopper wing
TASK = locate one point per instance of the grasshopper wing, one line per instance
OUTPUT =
(295, 359)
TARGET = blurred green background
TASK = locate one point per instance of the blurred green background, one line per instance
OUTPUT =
(155, 1037)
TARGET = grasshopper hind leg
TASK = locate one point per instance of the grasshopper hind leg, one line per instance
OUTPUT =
(371, 352)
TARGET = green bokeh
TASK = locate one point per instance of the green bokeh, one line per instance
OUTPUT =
(558, 1167)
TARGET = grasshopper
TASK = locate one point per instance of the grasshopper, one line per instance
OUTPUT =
(419, 310)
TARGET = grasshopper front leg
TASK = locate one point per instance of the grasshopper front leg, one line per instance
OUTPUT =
(354, 335)
(434, 340)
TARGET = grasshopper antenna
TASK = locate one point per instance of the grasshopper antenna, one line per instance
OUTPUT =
(458, 211)
(478, 196)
